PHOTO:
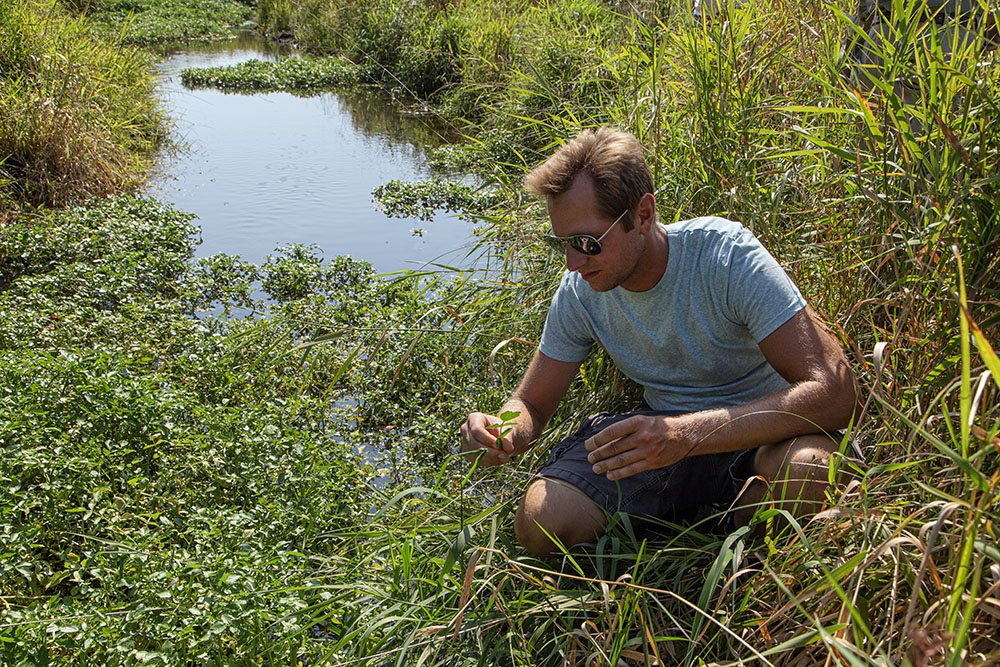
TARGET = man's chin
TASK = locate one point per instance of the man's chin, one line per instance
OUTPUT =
(598, 282)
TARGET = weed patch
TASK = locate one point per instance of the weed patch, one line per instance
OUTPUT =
(153, 469)
(156, 22)
(296, 74)
(422, 199)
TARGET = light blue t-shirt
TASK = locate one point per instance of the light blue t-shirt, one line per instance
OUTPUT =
(691, 340)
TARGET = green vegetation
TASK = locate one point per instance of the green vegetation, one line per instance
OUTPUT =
(157, 478)
(468, 56)
(422, 199)
(275, 481)
(78, 115)
(151, 22)
(299, 74)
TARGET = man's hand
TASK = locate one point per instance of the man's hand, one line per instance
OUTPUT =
(482, 433)
(822, 396)
(522, 417)
(641, 442)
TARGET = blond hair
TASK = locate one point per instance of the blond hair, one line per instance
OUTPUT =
(612, 158)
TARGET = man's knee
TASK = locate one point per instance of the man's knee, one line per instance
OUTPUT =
(552, 507)
(807, 456)
(798, 471)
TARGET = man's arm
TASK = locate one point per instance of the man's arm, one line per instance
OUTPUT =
(535, 400)
(823, 396)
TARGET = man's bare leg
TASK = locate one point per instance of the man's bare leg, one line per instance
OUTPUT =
(797, 473)
(563, 510)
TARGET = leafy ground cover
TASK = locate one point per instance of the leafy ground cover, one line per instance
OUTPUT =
(157, 22)
(422, 199)
(276, 482)
(299, 74)
(168, 482)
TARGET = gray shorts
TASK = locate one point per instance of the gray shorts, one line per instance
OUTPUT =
(676, 493)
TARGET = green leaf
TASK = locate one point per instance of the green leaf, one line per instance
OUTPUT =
(456, 549)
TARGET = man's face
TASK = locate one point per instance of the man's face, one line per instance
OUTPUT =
(575, 212)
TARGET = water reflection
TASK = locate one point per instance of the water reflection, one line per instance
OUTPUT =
(268, 169)
(376, 114)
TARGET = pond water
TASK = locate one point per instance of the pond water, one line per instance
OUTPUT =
(268, 169)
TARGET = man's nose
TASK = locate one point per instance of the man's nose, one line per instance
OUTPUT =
(574, 259)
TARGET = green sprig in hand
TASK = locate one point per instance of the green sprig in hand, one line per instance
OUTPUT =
(508, 420)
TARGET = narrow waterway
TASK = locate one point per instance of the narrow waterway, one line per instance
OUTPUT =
(268, 169)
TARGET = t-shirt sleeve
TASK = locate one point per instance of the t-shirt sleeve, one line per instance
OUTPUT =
(760, 294)
(568, 333)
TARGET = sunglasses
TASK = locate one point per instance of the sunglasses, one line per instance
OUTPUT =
(585, 244)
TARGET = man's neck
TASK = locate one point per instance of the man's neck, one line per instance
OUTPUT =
(652, 263)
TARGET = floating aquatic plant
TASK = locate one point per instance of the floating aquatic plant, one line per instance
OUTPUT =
(293, 74)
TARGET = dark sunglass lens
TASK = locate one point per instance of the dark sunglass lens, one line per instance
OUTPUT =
(585, 245)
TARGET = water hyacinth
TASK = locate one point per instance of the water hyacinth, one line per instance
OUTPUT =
(295, 74)
(424, 198)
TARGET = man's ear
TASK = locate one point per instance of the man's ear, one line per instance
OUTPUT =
(645, 213)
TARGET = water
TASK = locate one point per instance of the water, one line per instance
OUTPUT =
(270, 169)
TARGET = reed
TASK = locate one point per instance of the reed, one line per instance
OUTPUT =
(79, 118)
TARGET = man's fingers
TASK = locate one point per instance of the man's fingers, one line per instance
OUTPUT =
(613, 448)
(497, 439)
(616, 431)
(486, 455)
(628, 470)
(616, 462)
(479, 441)
(479, 431)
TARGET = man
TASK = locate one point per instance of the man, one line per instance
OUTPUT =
(740, 379)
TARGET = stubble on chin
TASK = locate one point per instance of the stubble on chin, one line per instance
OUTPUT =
(600, 283)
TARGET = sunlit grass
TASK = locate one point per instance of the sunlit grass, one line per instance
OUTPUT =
(78, 114)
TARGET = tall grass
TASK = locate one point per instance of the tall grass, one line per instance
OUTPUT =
(79, 118)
